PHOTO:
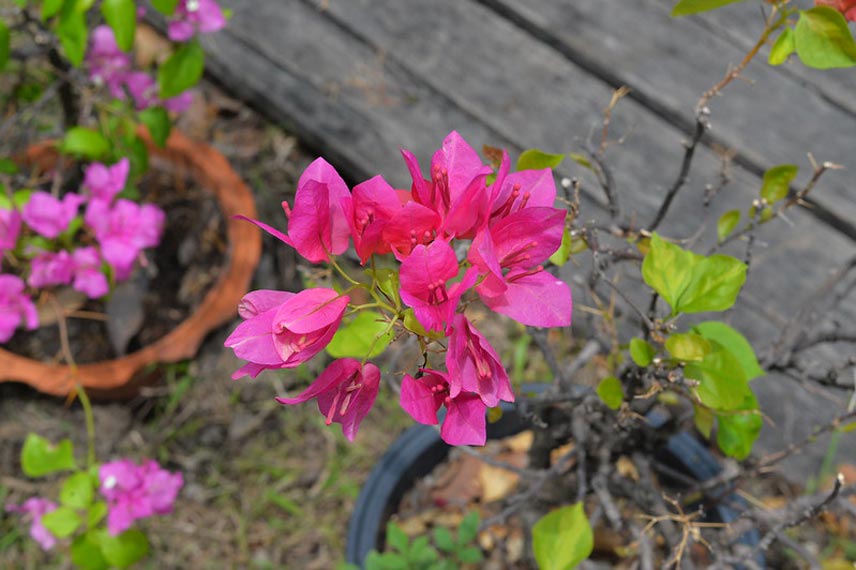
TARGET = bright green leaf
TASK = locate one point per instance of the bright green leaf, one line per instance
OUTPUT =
(412, 324)
(73, 35)
(716, 282)
(470, 555)
(357, 338)
(21, 197)
(688, 347)
(735, 343)
(726, 224)
(443, 539)
(96, 514)
(182, 70)
(785, 45)
(86, 553)
(80, 141)
(156, 120)
(121, 16)
(388, 283)
(703, 419)
(667, 269)
(165, 7)
(62, 522)
(722, 383)
(40, 457)
(534, 159)
(8, 166)
(561, 255)
(581, 159)
(5, 44)
(469, 527)
(562, 538)
(777, 182)
(51, 8)
(737, 432)
(823, 39)
(641, 352)
(611, 392)
(686, 7)
(124, 549)
(396, 538)
(77, 491)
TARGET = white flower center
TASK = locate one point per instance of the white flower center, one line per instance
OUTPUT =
(192, 5)
(110, 482)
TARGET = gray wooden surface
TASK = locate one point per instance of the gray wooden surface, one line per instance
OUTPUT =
(358, 79)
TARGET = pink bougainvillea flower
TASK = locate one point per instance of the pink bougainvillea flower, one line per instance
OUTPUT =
(318, 224)
(345, 391)
(375, 203)
(104, 182)
(107, 63)
(136, 491)
(88, 277)
(464, 423)
(15, 306)
(49, 216)
(48, 269)
(474, 366)
(192, 16)
(124, 230)
(283, 330)
(413, 225)
(34, 509)
(180, 103)
(143, 89)
(846, 7)
(424, 275)
(523, 189)
(510, 254)
(10, 228)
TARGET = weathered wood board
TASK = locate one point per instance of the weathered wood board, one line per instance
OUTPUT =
(364, 77)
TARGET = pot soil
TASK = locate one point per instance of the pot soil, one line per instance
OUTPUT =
(418, 484)
(192, 285)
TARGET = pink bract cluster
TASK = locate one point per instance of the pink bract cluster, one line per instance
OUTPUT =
(136, 492)
(34, 509)
(121, 230)
(464, 229)
(195, 16)
(110, 66)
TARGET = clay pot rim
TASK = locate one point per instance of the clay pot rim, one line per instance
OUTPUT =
(218, 307)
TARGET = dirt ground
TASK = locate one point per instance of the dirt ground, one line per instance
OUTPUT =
(265, 486)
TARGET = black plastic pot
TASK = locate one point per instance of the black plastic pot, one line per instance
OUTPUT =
(420, 449)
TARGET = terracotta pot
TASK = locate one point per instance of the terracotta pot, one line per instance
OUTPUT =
(123, 376)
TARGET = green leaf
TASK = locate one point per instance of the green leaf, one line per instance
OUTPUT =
(165, 7)
(823, 39)
(716, 282)
(5, 44)
(8, 166)
(73, 35)
(581, 159)
(686, 7)
(125, 549)
(470, 555)
(396, 538)
(688, 347)
(21, 197)
(611, 392)
(182, 70)
(62, 522)
(96, 514)
(356, 338)
(443, 539)
(469, 527)
(412, 324)
(534, 159)
(736, 432)
(641, 352)
(722, 383)
(388, 283)
(726, 224)
(562, 538)
(86, 553)
(735, 343)
(785, 45)
(40, 457)
(121, 15)
(77, 491)
(667, 269)
(561, 255)
(777, 182)
(51, 8)
(704, 420)
(87, 143)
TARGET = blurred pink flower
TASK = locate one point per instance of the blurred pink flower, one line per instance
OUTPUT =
(49, 216)
(104, 182)
(136, 491)
(88, 277)
(34, 509)
(15, 306)
(192, 16)
(124, 230)
(49, 268)
(107, 63)
(10, 228)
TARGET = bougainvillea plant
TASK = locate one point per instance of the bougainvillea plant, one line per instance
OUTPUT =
(88, 232)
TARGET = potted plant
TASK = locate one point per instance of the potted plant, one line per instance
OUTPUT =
(69, 205)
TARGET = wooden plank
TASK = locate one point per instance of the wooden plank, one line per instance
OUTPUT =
(366, 77)
(669, 62)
